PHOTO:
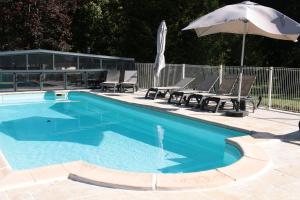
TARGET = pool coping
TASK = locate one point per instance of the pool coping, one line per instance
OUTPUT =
(253, 162)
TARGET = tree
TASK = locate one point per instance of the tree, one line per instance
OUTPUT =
(128, 28)
(97, 25)
(143, 18)
(30, 24)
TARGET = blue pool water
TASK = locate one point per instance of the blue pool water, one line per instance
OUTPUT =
(38, 130)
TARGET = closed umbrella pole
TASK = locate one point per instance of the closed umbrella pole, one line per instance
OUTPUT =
(160, 58)
(242, 63)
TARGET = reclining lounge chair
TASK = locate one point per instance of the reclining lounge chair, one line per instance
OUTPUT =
(221, 100)
(247, 84)
(112, 80)
(225, 88)
(155, 92)
(130, 80)
(205, 86)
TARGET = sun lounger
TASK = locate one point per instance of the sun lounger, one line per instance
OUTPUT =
(221, 100)
(205, 86)
(155, 92)
(130, 80)
(112, 80)
(248, 82)
(225, 88)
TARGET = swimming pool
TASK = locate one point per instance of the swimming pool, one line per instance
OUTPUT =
(43, 129)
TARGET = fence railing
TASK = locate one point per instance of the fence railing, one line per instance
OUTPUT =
(278, 87)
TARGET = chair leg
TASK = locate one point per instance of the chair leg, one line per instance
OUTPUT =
(187, 102)
(189, 98)
(153, 91)
(165, 93)
(185, 98)
(180, 100)
(253, 105)
(200, 100)
(222, 105)
(243, 104)
(177, 95)
(170, 98)
(147, 94)
(259, 101)
(203, 104)
(233, 101)
(156, 93)
(219, 102)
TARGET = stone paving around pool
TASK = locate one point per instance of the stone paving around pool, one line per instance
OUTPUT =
(276, 133)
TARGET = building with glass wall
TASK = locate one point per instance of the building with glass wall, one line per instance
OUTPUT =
(40, 59)
(44, 69)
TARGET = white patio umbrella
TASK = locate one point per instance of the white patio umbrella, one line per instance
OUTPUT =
(161, 44)
(247, 18)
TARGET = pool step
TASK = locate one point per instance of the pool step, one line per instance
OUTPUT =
(61, 96)
(5, 168)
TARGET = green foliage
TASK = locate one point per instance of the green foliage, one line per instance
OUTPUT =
(131, 25)
(28, 24)
(128, 28)
(86, 24)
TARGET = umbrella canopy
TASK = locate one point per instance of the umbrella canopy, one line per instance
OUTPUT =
(161, 44)
(247, 18)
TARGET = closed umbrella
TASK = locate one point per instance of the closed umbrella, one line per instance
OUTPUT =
(161, 44)
(247, 18)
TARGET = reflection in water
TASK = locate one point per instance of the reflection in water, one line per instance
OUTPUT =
(160, 136)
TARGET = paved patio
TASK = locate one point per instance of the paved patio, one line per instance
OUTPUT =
(275, 132)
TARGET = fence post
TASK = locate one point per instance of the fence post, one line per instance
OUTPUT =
(77, 63)
(65, 80)
(85, 77)
(183, 71)
(53, 61)
(15, 81)
(155, 79)
(220, 74)
(27, 66)
(41, 81)
(270, 87)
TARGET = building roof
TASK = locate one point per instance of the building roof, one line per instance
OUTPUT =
(33, 51)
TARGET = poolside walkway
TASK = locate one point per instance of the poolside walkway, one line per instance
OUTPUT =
(275, 132)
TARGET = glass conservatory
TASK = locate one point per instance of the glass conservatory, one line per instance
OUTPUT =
(47, 70)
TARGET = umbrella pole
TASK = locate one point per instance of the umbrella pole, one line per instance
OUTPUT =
(241, 67)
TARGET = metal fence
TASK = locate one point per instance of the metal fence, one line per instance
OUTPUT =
(278, 87)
